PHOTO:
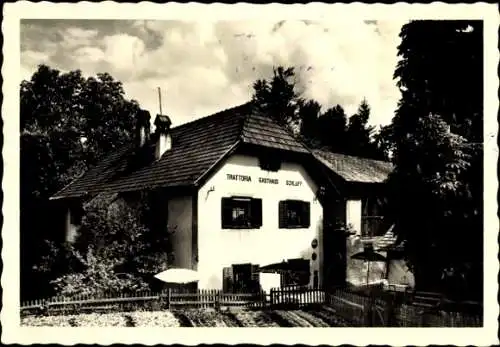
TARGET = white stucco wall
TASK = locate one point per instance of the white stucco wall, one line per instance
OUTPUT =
(218, 248)
(71, 230)
(353, 215)
(180, 217)
(400, 274)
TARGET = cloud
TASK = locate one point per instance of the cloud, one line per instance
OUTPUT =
(203, 67)
(80, 33)
(124, 52)
(30, 60)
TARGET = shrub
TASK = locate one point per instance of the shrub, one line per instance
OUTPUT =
(116, 250)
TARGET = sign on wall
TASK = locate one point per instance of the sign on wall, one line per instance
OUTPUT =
(264, 180)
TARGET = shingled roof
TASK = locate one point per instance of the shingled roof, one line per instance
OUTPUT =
(355, 169)
(196, 147)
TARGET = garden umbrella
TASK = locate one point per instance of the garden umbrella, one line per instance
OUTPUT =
(180, 276)
(369, 255)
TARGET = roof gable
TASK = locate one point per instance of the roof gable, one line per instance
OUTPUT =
(263, 131)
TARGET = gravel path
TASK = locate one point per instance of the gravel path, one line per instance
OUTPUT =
(154, 319)
(251, 318)
(329, 316)
(203, 318)
(79, 320)
(320, 316)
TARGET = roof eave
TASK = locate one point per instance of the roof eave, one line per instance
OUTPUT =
(200, 180)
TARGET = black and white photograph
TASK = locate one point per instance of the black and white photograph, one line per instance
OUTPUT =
(211, 166)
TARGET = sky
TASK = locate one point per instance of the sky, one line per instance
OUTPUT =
(206, 66)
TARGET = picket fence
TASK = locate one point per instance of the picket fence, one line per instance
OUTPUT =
(145, 300)
(363, 310)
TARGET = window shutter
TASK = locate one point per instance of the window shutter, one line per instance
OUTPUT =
(227, 279)
(255, 277)
(306, 214)
(256, 210)
(226, 211)
(282, 214)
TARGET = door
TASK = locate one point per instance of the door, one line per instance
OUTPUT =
(334, 245)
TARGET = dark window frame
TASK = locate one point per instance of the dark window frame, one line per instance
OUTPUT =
(252, 206)
(298, 206)
(270, 163)
(373, 221)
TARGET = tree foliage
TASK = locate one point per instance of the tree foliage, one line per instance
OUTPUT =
(58, 112)
(278, 97)
(331, 129)
(435, 141)
(359, 133)
(67, 122)
(116, 250)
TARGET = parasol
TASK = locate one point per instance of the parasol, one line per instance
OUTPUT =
(180, 276)
(369, 255)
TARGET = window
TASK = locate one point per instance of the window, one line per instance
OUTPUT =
(294, 214)
(270, 163)
(372, 217)
(241, 213)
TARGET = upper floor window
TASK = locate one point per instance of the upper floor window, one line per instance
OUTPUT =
(373, 222)
(294, 214)
(269, 163)
(241, 213)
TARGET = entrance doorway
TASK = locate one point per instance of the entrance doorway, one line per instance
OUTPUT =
(334, 245)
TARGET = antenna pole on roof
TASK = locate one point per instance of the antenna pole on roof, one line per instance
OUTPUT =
(159, 97)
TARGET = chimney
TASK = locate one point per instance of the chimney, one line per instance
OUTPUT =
(143, 127)
(164, 140)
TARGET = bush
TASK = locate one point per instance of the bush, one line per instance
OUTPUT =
(116, 250)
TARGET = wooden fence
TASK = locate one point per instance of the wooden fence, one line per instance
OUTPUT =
(386, 309)
(168, 299)
(375, 309)
(295, 297)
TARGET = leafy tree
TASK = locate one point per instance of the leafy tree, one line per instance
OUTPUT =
(58, 111)
(436, 140)
(116, 250)
(67, 122)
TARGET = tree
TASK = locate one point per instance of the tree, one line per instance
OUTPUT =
(67, 123)
(383, 142)
(309, 112)
(58, 112)
(442, 67)
(116, 250)
(278, 98)
(436, 143)
(359, 133)
(332, 129)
